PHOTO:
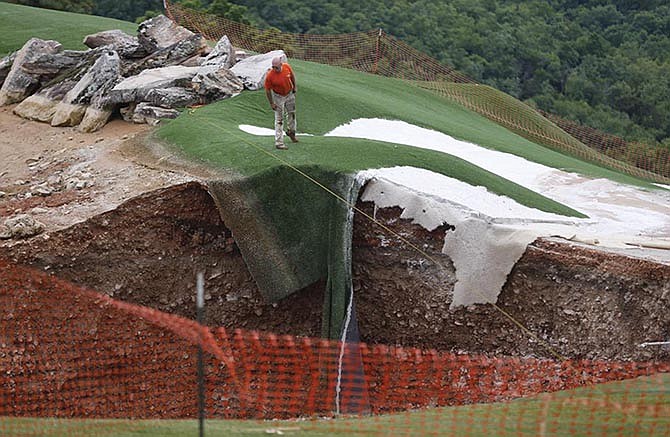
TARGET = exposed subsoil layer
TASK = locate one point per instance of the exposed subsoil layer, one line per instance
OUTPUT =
(583, 303)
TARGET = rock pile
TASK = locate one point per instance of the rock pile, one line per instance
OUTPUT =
(146, 77)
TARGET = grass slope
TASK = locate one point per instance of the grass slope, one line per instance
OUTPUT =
(20, 23)
(330, 96)
(633, 407)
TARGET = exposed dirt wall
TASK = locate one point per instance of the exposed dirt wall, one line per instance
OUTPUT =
(583, 303)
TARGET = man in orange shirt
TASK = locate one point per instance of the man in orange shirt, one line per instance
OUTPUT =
(280, 90)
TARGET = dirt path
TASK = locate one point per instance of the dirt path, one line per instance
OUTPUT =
(61, 176)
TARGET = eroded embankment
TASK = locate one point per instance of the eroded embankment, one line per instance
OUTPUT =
(583, 303)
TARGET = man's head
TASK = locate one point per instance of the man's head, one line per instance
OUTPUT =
(276, 63)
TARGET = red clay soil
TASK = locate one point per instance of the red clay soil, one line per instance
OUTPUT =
(581, 303)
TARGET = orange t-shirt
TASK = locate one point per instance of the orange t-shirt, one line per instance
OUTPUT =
(279, 82)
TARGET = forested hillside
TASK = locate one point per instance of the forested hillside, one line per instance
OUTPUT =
(602, 63)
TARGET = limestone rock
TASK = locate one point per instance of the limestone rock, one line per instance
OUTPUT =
(68, 114)
(172, 55)
(149, 114)
(223, 54)
(173, 97)
(20, 226)
(125, 45)
(94, 119)
(193, 61)
(136, 88)
(98, 79)
(160, 32)
(127, 112)
(215, 83)
(252, 70)
(49, 65)
(42, 106)
(18, 84)
(37, 107)
(6, 65)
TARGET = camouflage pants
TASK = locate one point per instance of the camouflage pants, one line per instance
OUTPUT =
(285, 107)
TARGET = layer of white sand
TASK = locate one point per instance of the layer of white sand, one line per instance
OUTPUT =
(492, 231)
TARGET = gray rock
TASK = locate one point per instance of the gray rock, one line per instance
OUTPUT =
(125, 45)
(6, 65)
(252, 70)
(42, 190)
(42, 106)
(48, 66)
(175, 54)
(127, 112)
(152, 115)
(193, 61)
(18, 84)
(94, 119)
(136, 88)
(160, 32)
(215, 83)
(172, 97)
(102, 76)
(223, 54)
(20, 226)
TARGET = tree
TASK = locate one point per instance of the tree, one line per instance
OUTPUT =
(78, 6)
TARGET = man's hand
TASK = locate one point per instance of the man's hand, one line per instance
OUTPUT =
(273, 106)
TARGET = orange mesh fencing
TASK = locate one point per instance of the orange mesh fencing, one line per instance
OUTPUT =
(69, 353)
(377, 52)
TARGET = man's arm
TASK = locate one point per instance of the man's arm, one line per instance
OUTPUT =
(292, 77)
(268, 93)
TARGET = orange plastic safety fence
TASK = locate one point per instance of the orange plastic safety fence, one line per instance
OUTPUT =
(71, 353)
(376, 52)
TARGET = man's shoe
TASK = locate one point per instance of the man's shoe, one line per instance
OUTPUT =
(291, 135)
(281, 146)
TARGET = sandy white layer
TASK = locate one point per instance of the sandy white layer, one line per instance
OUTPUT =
(615, 209)
(262, 131)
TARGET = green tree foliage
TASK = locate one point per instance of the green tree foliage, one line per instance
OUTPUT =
(128, 10)
(79, 6)
(605, 63)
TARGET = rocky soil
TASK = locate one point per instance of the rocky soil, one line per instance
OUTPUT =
(119, 218)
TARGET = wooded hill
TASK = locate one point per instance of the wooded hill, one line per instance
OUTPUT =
(605, 64)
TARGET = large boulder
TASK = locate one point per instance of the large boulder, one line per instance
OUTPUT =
(42, 106)
(160, 32)
(136, 88)
(172, 55)
(100, 78)
(152, 115)
(216, 83)
(18, 84)
(252, 70)
(6, 66)
(223, 54)
(172, 97)
(125, 45)
(51, 67)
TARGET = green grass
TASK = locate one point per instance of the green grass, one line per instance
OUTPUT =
(20, 23)
(633, 407)
(331, 96)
